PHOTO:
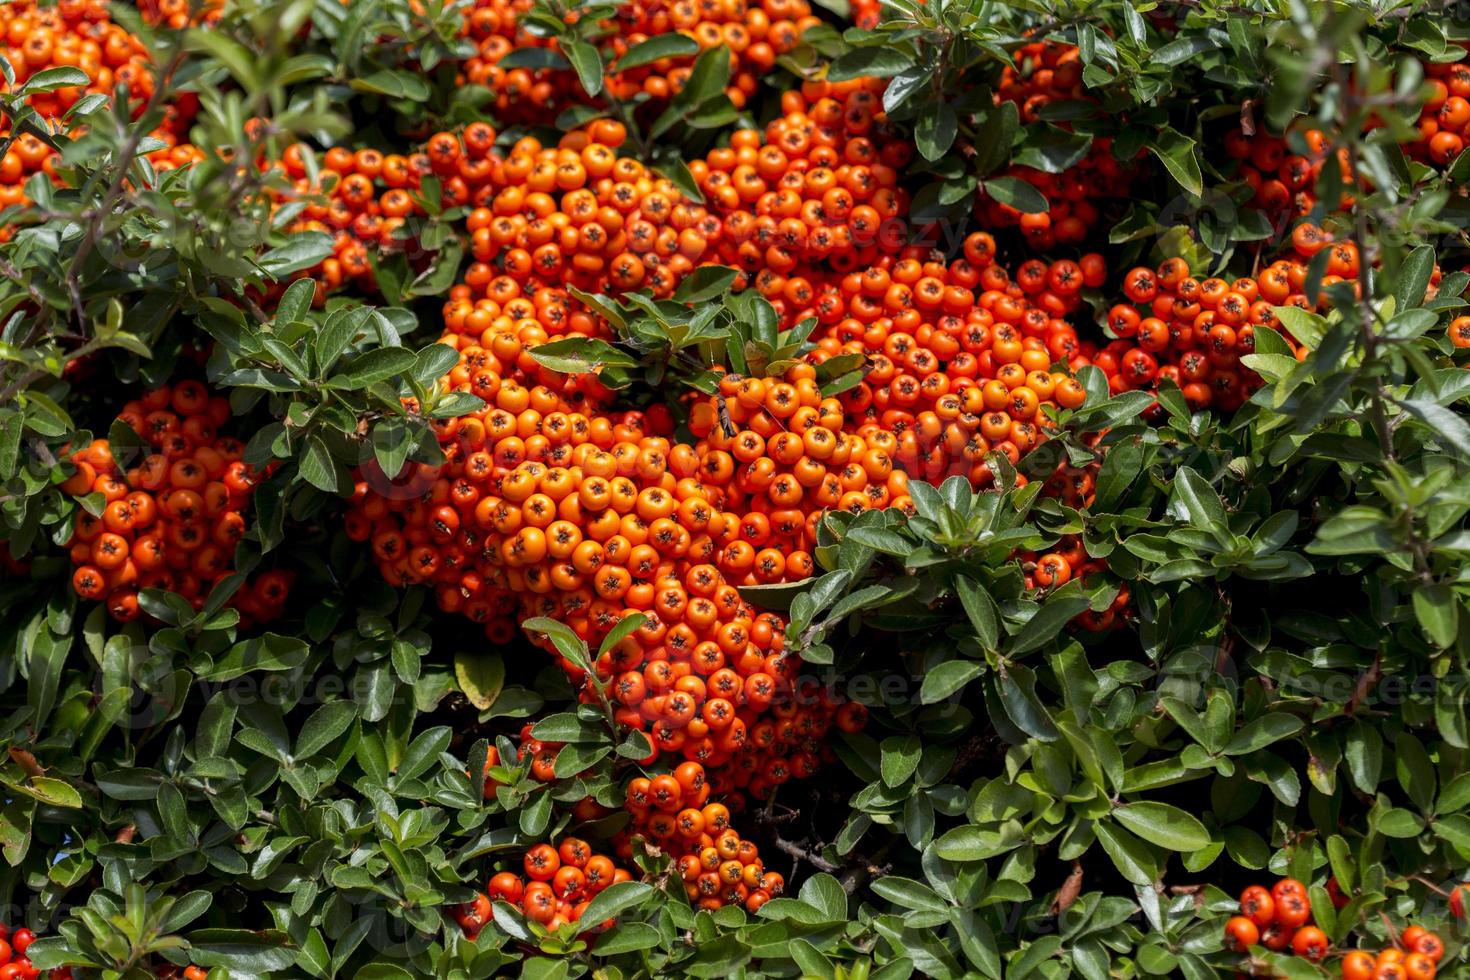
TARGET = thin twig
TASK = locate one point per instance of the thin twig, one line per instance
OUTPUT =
(161, 86)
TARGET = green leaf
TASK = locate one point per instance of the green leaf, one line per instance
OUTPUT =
(657, 48)
(935, 131)
(1120, 467)
(1363, 748)
(241, 950)
(376, 365)
(908, 893)
(51, 79)
(677, 173)
(1262, 732)
(1437, 608)
(1048, 621)
(481, 677)
(825, 894)
(1016, 686)
(709, 77)
(537, 58)
(580, 355)
(587, 61)
(395, 84)
(324, 726)
(899, 758)
(1162, 824)
(943, 680)
(1177, 153)
(1399, 823)
(627, 937)
(302, 250)
(879, 61)
(295, 304)
(1179, 50)
(704, 284)
(1131, 856)
(1449, 426)
(1200, 504)
(317, 466)
(51, 791)
(1413, 278)
(434, 362)
(1017, 193)
(616, 899)
(981, 610)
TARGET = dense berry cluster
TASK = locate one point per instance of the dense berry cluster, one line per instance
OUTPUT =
(1194, 332)
(753, 33)
(179, 14)
(580, 214)
(1444, 121)
(960, 355)
(1278, 919)
(1415, 956)
(1047, 72)
(820, 185)
(545, 511)
(78, 34)
(555, 884)
(363, 199)
(1282, 172)
(172, 514)
(718, 866)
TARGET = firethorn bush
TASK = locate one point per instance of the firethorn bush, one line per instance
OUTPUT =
(792, 488)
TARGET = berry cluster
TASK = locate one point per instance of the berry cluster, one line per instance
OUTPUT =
(14, 965)
(579, 214)
(171, 519)
(176, 14)
(820, 187)
(27, 156)
(1282, 172)
(521, 94)
(1046, 72)
(1415, 956)
(556, 884)
(1444, 121)
(960, 355)
(817, 191)
(754, 34)
(78, 34)
(718, 866)
(788, 742)
(369, 202)
(363, 199)
(1067, 560)
(1278, 919)
(1194, 332)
